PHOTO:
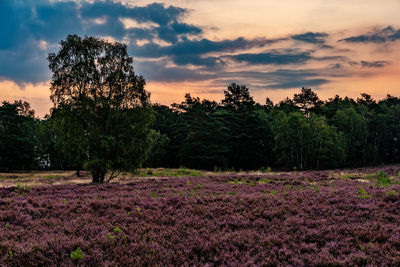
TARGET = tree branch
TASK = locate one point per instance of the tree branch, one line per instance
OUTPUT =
(112, 176)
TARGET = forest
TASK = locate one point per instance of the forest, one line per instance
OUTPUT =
(298, 133)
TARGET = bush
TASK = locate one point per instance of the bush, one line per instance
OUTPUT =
(77, 254)
(382, 179)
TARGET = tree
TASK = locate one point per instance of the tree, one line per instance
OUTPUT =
(352, 124)
(307, 100)
(17, 136)
(69, 141)
(307, 142)
(95, 79)
(237, 97)
(205, 142)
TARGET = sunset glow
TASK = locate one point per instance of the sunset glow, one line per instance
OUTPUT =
(179, 46)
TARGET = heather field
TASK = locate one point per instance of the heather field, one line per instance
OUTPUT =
(233, 219)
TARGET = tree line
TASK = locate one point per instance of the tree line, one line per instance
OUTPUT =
(300, 133)
(103, 121)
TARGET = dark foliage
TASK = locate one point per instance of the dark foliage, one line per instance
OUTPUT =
(101, 114)
(237, 133)
(301, 133)
(17, 136)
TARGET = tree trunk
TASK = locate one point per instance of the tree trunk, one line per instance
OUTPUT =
(78, 173)
(98, 176)
(95, 179)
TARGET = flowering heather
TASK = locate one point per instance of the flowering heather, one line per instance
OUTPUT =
(308, 218)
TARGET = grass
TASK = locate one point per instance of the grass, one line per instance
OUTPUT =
(363, 194)
(161, 172)
(382, 179)
(56, 176)
(22, 188)
(392, 193)
(236, 181)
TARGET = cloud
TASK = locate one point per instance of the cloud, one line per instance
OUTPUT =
(193, 52)
(370, 64)
(276, 58)
(168, 26)
(26, 63)
(388, 34)
(159, 71)
(26, 22)
(278, 79)
(155, 12)
(297, 84)
(166, 48)
(311, 37)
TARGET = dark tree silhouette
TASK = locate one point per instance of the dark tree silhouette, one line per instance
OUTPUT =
(237, 97)
(108, 108)
(307, 100)
(17, 136)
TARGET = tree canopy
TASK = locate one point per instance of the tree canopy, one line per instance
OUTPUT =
(101, 110)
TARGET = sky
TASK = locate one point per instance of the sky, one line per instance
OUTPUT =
(344, 47)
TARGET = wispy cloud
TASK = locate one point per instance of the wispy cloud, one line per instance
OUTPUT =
(388, 34)
(311, 37)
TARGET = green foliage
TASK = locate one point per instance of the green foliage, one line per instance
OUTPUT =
(77, 254)
(198, 187)
(264, 170)
(10, 255)
(158, 149)
(307, 142)
(363, 194)
(17, 136)
(102, 115)
(102, 121)
(116, 230)
(236, 181)
(110, 236)
(316, 188)
(22, 188)
(383, 179)
(392, 193)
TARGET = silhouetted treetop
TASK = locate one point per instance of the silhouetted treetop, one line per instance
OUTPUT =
(365, 99)
(95, 69)
(307, 100)
(237, 97)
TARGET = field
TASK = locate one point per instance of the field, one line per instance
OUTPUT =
(199, 218)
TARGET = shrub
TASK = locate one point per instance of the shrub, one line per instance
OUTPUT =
(77, 254)
(22, 189)
(382, 179)
(363, 194)
(392, 193)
